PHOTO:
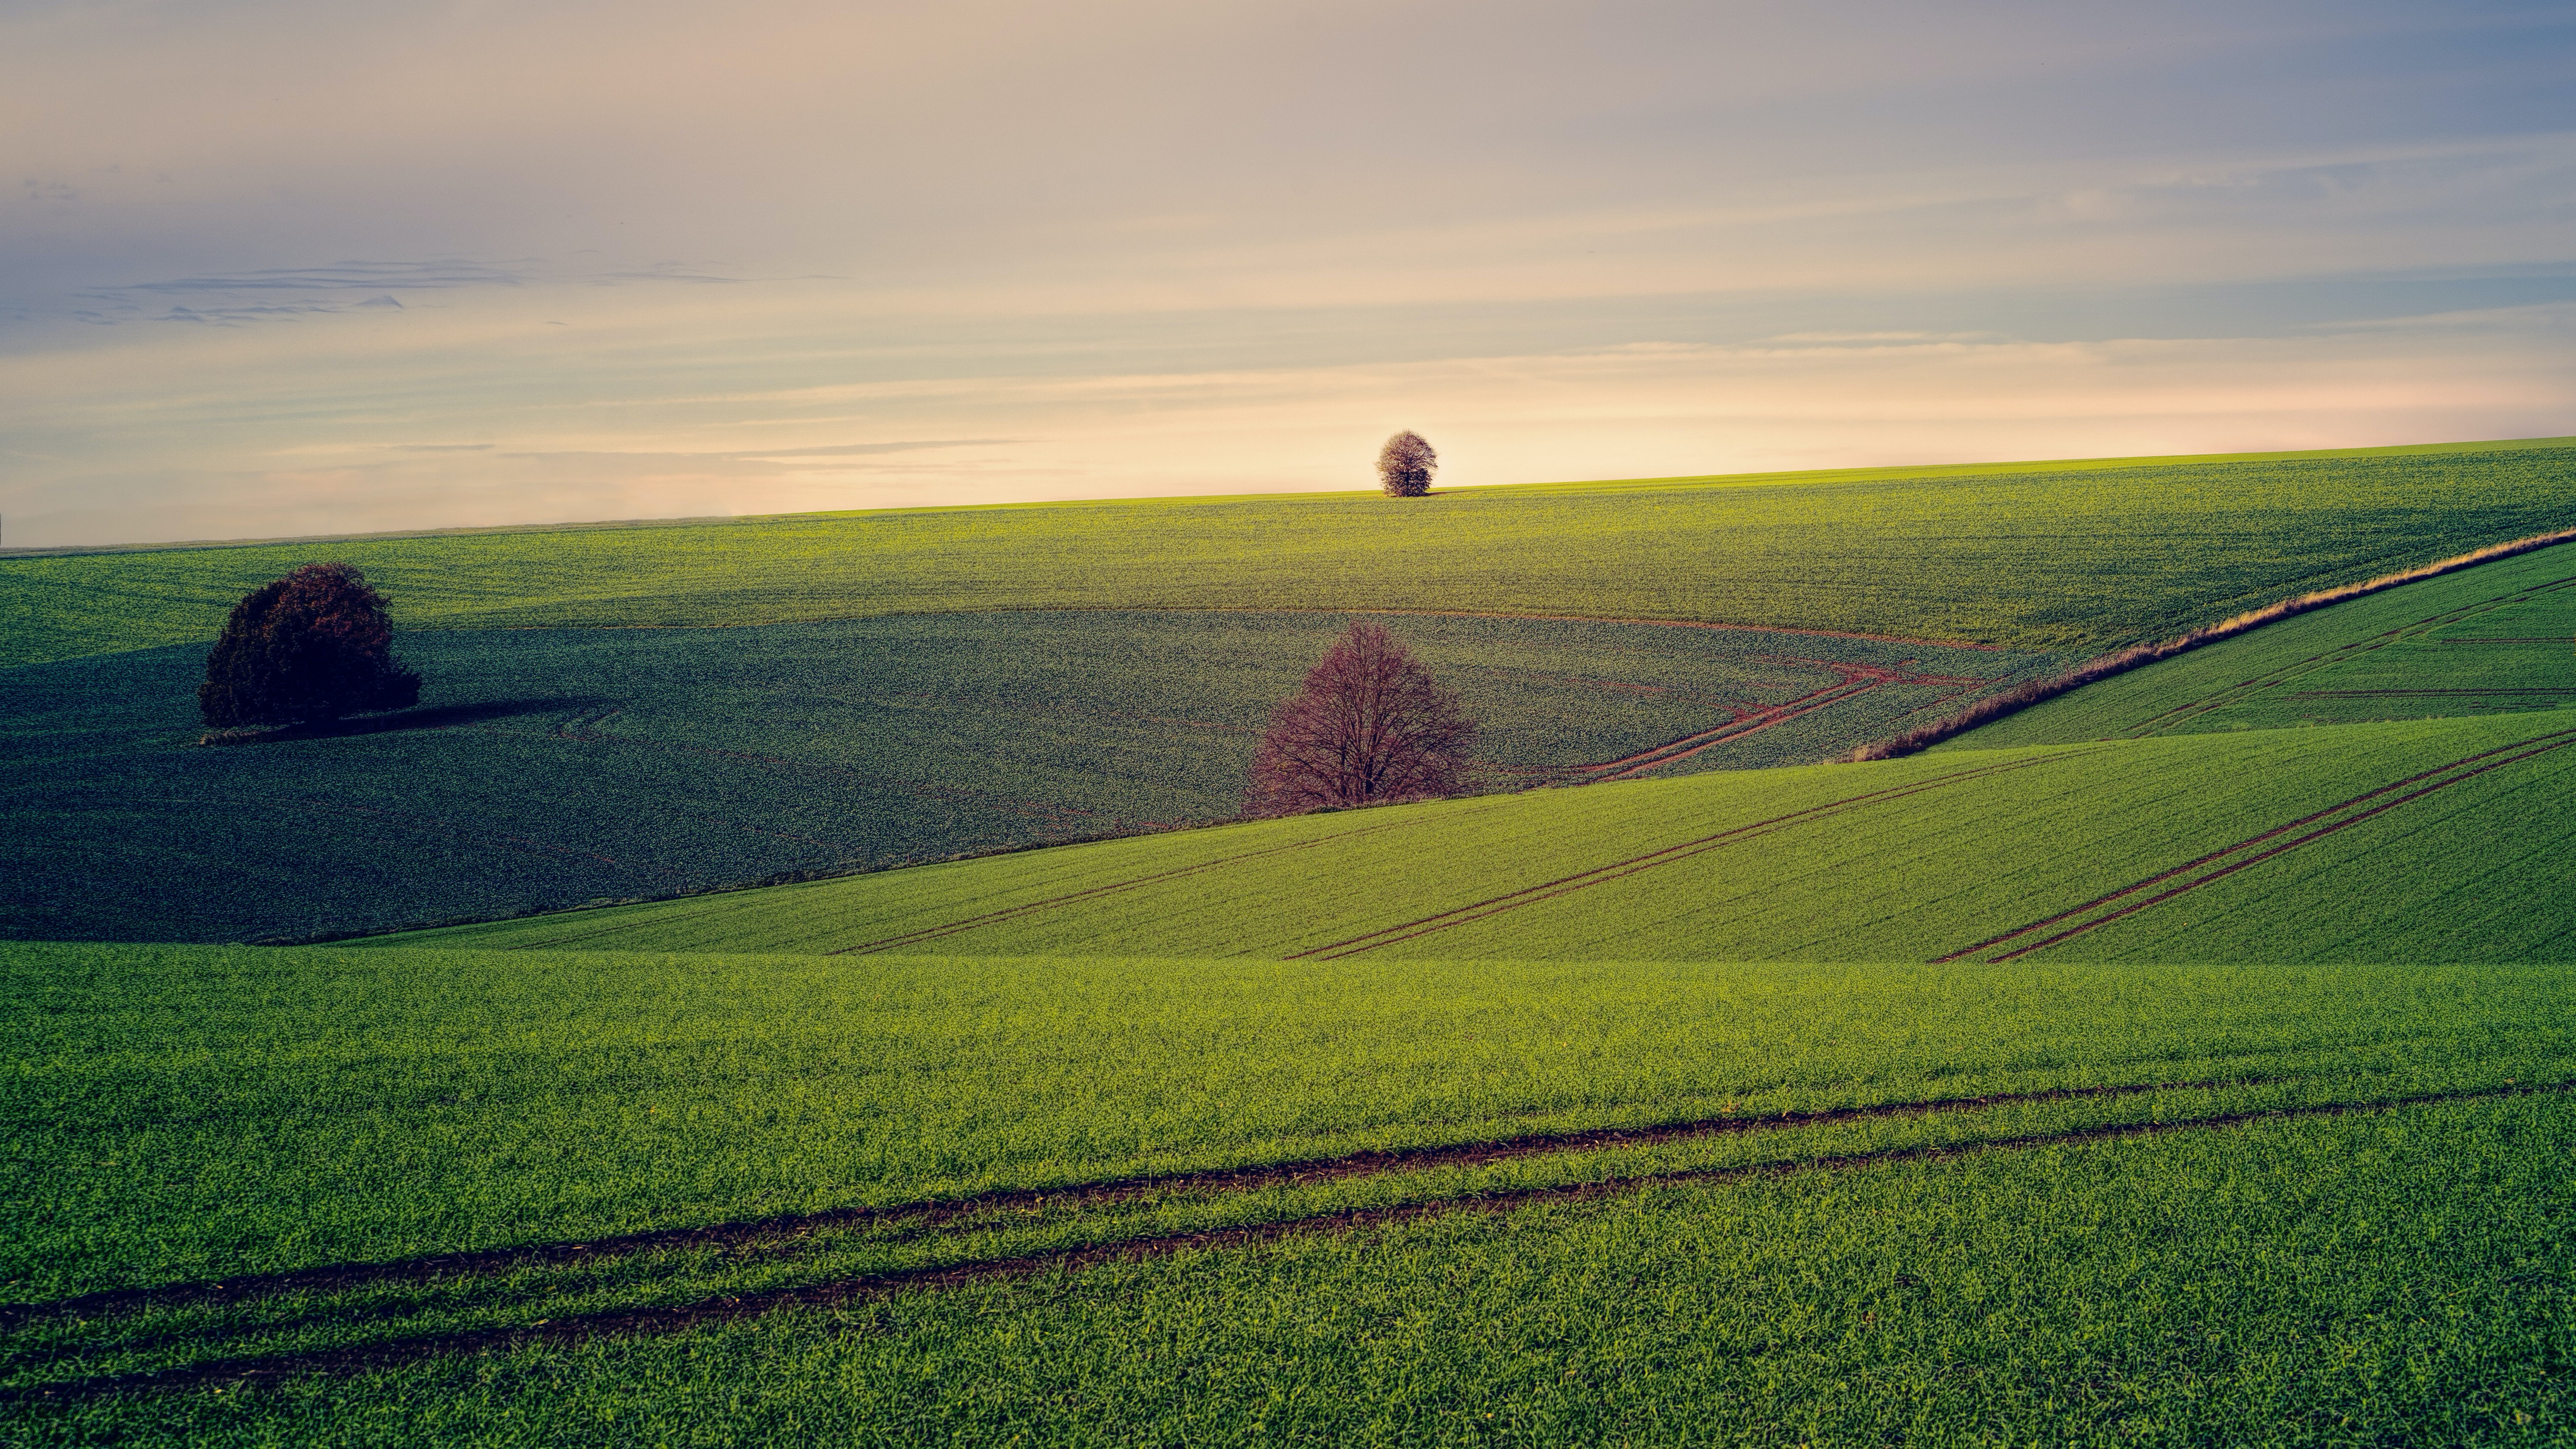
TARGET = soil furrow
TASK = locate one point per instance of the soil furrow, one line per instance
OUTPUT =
(653, 1321)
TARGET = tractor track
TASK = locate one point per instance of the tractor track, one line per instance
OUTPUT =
(1619, 869)
(1011, 913)
(663, 1320)
(2456, 771)
(925, 1212)
(2236, 694)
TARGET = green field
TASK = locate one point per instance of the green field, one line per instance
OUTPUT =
(2454, 826)
(2497, 638)
(556, 767)
(2189, 1060)
(2039, 556)
(2091, 1198)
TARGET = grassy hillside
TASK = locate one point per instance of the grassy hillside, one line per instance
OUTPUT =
(2497, 638)
(554, 767)
(2047, 556)
(2451, 824)
(1911, 1194)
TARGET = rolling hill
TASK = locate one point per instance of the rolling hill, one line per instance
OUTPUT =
(2188, 1059)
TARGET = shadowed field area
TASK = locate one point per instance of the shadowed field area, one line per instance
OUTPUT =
(553, 767)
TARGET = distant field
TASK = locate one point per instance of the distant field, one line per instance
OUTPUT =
(2497, 638)
(2039, 557)
(2439, 840)
(1821, 1198)
(554, 767)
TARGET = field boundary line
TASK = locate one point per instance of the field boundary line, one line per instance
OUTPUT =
(930, 1211)
(2340, 654)
(655, 1321)
(1617, 869)
(2013, 701)
(2546, 744)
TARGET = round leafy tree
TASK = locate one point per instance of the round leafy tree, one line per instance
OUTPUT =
(312, 646)
(1405, 465)
(1369, 727)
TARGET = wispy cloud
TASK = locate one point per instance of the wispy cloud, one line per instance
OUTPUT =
(1144, 244)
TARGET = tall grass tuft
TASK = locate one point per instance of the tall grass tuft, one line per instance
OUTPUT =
(1995, 707)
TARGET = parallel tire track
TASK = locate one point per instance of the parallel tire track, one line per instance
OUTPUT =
(2235, 694)
(654, 1321)
(1010, 913)
(1632, 865)
(2442, 776)
(341, 1277)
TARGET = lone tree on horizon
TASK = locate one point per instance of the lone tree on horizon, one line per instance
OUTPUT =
(1405, 465)
(310, 647)
(1369, 727)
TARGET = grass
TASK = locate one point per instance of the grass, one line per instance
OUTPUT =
(2380, 1280)
(555, 767)
(2026, 1263)
(1907, 859)
(2497, 638)
(1060, 1150)
(2036, 557)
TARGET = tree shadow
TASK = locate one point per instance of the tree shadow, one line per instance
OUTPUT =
(436, 717)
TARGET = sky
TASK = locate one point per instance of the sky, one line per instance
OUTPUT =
(271, 269)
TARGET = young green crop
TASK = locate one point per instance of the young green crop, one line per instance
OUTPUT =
(2497, 638)
(2277, 1155)
(2043, 556)
(191, 1112)
(1909, 859)
(2395, 1280)
(554, 767)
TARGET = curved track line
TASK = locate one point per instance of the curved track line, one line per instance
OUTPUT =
(637, 1322)
(2544, 743)
(1547, 890)
(341, 1277)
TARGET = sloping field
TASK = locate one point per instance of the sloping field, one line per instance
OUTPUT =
(2264, 837)
(463, 1198)
(563, 766)
(2037, 556)
(2497, 638)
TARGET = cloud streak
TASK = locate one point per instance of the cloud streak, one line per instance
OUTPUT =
(730, 254)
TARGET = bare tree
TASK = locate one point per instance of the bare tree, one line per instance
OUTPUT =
(1405, 465)
(1368, 727)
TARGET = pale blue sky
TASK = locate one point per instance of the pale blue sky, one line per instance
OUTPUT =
(285, 268)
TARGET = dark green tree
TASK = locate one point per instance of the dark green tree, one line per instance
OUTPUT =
(310, 647)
